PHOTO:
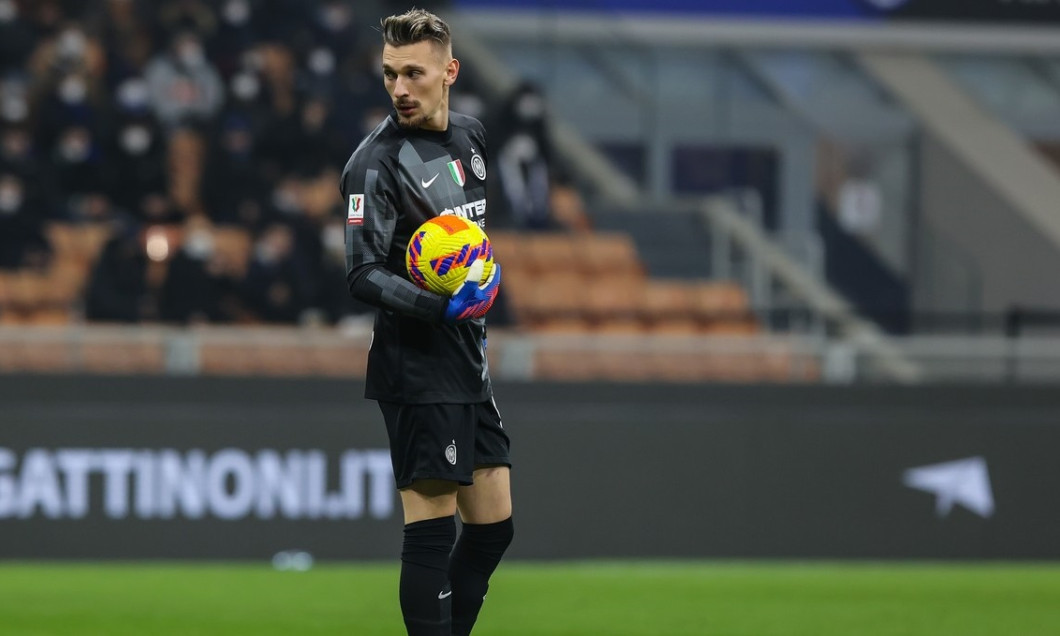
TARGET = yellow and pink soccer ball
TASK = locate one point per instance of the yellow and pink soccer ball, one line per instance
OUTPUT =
(442, 250)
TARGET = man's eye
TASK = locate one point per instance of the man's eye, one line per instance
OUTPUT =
(413, 74)
(389, 75)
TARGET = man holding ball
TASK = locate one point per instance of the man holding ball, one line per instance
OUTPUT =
(427, 366)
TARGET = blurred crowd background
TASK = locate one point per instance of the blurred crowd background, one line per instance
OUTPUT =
(178, 160)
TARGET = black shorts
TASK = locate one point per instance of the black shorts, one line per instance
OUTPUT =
(444, 441)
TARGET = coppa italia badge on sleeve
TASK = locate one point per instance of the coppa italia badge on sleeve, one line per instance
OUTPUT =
(356, 213)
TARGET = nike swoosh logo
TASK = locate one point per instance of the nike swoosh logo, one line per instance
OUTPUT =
(427, 184)
(443, 595)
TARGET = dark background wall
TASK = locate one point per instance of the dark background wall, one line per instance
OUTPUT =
(601, 470)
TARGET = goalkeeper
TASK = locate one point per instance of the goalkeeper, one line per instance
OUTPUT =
(427, 365)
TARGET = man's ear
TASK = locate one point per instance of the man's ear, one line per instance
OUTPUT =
(452, 69)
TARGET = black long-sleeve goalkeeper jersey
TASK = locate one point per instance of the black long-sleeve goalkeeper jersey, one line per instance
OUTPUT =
(395, 180)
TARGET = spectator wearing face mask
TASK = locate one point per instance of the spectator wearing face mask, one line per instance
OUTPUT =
(69, 49)
(77, 162)
(236, 35)
(20, 156)
(278, 286)
(524, 159)
(184, 87)
(317, 146)
(232, 184)
(200, 285)
(72, 100)
(135, 163)
(16, 37)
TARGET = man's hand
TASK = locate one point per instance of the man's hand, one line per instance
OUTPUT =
(472, 300)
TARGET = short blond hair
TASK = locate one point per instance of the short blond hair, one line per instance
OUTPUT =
(415, 25)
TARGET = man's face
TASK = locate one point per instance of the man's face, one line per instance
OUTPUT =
(418, 77)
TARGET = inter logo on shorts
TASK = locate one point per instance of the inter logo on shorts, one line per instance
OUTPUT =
(456, 170)
(450, 453)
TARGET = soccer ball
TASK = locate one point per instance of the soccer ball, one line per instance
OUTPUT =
(441, 251)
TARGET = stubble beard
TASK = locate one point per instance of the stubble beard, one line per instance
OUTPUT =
(419, 119)
(410, 123)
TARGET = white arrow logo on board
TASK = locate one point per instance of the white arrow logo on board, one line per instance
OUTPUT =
(963, 482)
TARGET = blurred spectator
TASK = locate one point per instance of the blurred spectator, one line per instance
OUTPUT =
(235, 35)
(333, 299)
(19, 156)
(278, 286)
(45, 16)
(523, 155)
(77, 163)
(22, 240)
(185, 88)
(184, 124)
(72, 98)
(68, 50)
(94, 207)
(280, 20)
(233, 188)
(200, 285)
(280, 138)
(316, 145)
(128, 41)
(16, 37)
(125, 284)
(135, 166)
(14, 102)
(186, 16)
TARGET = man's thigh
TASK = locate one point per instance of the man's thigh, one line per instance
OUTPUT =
(489, 498)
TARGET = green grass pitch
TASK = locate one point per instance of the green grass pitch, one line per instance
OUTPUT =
(531, 599)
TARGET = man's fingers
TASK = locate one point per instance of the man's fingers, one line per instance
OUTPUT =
(495, 275)
(474, 273)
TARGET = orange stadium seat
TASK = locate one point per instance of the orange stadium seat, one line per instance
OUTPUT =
(550, 297)
(614, 302)
(82, 242)
(723, 308)
(608, 253)
(508, 251)
(551, 253)
(668, 307)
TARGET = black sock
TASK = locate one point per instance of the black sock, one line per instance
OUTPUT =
(426, 598)
(474, 559)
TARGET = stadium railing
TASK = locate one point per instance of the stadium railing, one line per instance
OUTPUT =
(525, 356)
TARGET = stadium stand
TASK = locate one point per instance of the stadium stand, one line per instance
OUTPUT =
(173, 164)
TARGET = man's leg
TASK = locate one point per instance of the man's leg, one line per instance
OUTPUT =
(430, 531)
(486, 512)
